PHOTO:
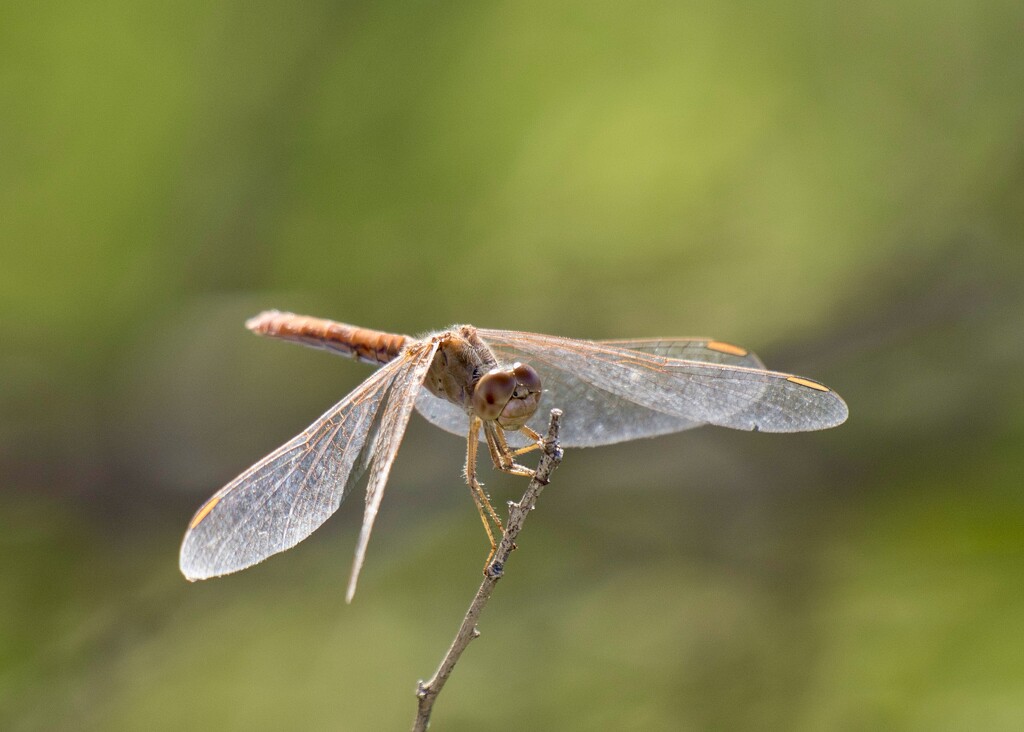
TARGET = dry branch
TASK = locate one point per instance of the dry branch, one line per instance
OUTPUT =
(428, 691)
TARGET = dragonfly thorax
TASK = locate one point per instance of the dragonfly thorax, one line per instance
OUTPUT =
(461, 358)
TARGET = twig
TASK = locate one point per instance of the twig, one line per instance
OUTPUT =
(427, 692)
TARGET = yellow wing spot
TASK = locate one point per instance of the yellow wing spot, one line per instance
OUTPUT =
(726, 348)
(808, 383)
(204, 511)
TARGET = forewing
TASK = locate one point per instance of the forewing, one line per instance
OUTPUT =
(287, 495)
(705, 350)
(601, 413)
(395, 417)
(611, 394)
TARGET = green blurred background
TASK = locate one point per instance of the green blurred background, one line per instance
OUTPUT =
(838, 187)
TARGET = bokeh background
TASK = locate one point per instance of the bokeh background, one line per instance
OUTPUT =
(839, 187)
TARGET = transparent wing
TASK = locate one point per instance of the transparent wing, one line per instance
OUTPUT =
(612, 394)
(618, 416)
(400, 400)
(706, 350)
(284, 497)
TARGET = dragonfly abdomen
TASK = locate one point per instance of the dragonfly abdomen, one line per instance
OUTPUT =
(365, 344)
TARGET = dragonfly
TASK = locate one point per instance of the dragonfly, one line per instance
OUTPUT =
(485, 385)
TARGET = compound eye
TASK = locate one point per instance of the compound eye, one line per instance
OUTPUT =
(492, 393)
(527, 380)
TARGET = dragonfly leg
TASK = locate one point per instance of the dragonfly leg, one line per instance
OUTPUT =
(536, 444)
(483, 504)
(502, 455)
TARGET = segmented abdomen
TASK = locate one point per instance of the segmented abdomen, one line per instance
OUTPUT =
(365, 344)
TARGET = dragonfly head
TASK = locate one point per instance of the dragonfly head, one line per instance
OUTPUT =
(508, 396)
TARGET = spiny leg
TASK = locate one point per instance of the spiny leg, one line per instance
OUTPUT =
(501, 454)
(536, 442)
(487, 525)
(483, 504)
(475, 487)
(474, 435)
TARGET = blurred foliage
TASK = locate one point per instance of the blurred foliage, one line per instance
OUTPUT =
(840, 188)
